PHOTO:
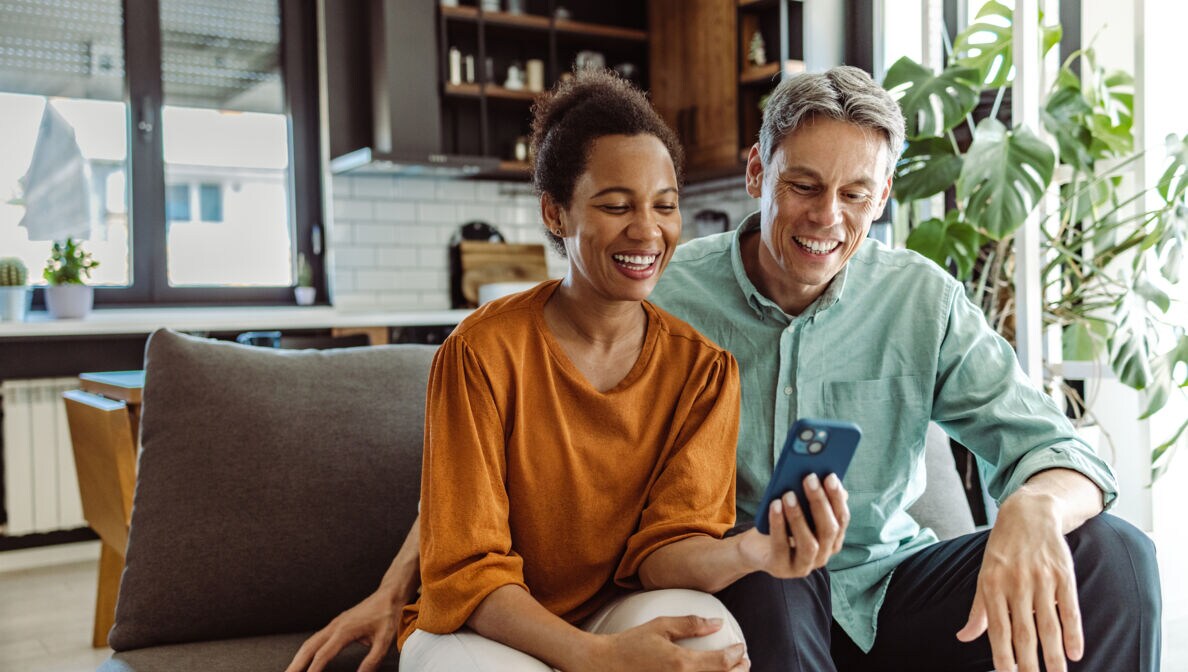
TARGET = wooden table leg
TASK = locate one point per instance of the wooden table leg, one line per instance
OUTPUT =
(111, 567)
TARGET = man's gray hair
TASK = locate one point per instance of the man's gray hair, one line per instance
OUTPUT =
(844, 93)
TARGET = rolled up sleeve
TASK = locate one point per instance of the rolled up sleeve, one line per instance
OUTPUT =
(984, 400)
(466, 544)
(694, 492)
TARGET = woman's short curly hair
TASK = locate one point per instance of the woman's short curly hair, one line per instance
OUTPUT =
(578, 111)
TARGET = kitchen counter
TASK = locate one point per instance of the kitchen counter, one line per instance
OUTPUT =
(127, 321)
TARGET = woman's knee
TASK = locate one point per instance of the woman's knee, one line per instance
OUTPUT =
(463, 651)
(639, 608)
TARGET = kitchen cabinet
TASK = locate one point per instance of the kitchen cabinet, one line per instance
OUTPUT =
(695, 80)
(715, 61)
(486, 109)
(418, 86)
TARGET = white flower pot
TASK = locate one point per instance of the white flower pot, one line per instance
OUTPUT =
(69, 301)
(305, 295)
(14, 303)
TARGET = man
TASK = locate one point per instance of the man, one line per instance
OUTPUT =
(825, 323)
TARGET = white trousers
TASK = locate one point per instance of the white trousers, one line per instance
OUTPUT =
(468, 651)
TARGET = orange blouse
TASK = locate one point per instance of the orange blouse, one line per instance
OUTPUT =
(534, 478)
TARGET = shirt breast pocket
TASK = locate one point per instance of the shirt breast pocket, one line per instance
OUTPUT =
(893, 414)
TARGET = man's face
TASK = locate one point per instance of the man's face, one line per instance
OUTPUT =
(824, 185)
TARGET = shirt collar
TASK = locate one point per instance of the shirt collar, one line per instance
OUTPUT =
(764, 306)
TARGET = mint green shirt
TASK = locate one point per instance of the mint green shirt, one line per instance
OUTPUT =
(891, 344)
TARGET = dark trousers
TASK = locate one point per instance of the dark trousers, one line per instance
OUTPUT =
(788, 624)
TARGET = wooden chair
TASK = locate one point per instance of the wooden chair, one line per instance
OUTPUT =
(103, 432)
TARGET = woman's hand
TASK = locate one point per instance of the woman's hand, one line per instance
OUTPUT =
(652, 646)
(372, 623)
(793, 550)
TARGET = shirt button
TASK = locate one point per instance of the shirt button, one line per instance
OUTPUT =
(788, 390)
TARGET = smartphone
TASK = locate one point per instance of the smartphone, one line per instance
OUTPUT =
(820, 447)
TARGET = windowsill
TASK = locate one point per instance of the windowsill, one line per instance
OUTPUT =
(246, 318)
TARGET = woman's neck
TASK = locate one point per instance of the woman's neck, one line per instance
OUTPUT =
(593, 322)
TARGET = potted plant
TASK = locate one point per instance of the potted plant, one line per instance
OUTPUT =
(67, 296)
(1107, 258)
(14, 296)
(304, 292)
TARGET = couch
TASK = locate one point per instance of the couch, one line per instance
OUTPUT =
(274, 488)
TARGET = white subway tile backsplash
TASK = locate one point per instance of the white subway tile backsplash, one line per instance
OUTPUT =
(342, 232)
(454, 191)
(395, 211)
(396, 257)
(354, 209)
(432, 257)
(379, 280)
(355, 256)
(370, 234)
(416, 188)
(344, 281)
(437, 212)
(390, 236)
(379, 187)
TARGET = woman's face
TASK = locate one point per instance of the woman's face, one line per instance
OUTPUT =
(624, 220)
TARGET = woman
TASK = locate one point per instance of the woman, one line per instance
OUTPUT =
(574, 429)
(579, 442)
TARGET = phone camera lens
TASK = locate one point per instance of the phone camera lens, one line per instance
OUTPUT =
(806, 434)
(815, 447)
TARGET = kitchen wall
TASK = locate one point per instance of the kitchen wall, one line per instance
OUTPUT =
(389, 236)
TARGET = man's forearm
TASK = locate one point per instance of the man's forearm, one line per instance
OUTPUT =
(403, 576)
(1075, 497)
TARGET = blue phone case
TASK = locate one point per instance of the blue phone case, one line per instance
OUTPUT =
(820, 447)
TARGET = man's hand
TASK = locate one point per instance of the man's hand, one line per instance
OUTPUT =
(792, 550)
(372, 623)
(1027, 590)
(652, 646)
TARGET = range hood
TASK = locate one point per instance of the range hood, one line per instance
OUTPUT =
(381, 87)
(364, 161)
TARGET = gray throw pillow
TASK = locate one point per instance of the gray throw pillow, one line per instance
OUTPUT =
(274, 487)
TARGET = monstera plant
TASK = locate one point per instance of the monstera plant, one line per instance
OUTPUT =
(1110, 255)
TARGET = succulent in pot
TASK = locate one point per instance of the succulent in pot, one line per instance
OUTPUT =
(304, 292)
(66, 271)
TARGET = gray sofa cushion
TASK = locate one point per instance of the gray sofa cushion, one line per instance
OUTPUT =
(249, 654)
(943, 506)
(274, 487)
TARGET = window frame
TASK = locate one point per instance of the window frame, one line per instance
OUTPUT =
(143, 97)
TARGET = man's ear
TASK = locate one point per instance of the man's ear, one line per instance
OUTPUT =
(884, 197)
(754, 172)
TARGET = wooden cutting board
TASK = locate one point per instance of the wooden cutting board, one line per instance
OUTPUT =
(484, 263)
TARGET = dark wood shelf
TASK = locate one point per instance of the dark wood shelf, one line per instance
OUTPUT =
(755, 4)
(491, 91)
(496, 91)
(464, 90)
(537, 22)
(756, 74)
(600, 30)
(514, 167)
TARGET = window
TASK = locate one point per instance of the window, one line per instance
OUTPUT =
(176, 138)
(210, 197)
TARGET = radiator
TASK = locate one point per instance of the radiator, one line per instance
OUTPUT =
(40, 484)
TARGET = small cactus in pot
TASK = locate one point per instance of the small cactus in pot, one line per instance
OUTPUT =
(13, 272)
(14, 297)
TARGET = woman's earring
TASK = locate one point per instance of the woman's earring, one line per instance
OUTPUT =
(557, 232)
